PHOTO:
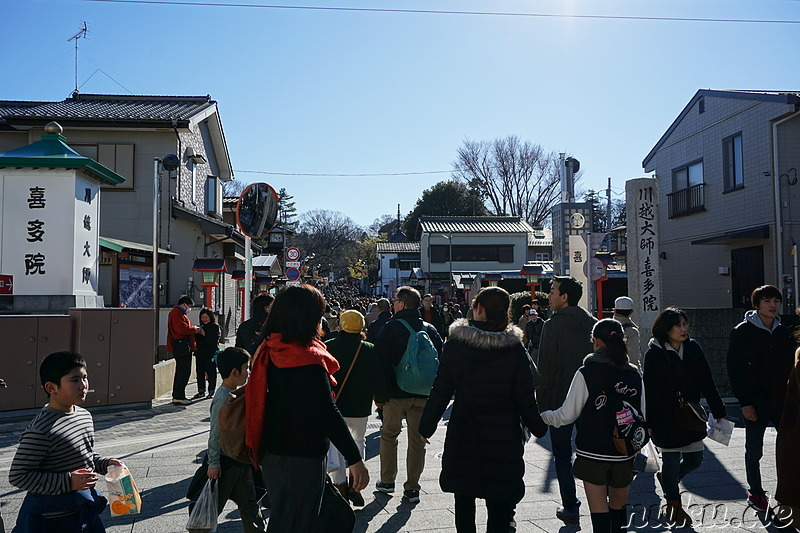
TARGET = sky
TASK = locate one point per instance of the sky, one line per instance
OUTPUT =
(309, 91)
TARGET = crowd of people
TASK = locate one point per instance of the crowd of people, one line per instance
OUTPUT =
(315, 364)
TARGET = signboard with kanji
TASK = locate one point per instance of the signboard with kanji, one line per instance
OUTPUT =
(50, 232)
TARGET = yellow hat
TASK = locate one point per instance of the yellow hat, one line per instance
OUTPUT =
(351, 321)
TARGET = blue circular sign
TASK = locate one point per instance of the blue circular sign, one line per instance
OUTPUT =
(292, 274)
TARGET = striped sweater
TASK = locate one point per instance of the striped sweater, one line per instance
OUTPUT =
(53, 445)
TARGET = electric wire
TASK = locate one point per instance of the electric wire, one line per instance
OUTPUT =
(451, 12)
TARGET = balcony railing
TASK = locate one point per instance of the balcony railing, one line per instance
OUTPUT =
(687, 201)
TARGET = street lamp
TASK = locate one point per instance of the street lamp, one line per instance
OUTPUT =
(169, 163)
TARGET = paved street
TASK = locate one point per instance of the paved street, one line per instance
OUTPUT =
(163, 446)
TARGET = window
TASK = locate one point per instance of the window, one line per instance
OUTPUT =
(542, 257)
(211, 194)
(503, 253)
(392, 263)
(688, 176)
(732, 162)
(117, 157)
(701, 105)
(193, 177)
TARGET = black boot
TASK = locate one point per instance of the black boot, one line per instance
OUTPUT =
(619, 520)
(601, 522)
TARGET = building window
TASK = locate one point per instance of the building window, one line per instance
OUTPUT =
(688, 196)
(687, 176)
(211, 195)
(732, 168)
(503, 253)
(392, 263)
(542, 257)
(117, 157)
(701, 105)
(193, 177)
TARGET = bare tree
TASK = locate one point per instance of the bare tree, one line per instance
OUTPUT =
(514, 177)
(330, 235)
(233, 188)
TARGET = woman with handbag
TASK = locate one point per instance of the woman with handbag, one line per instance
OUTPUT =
(484, 364)
(355, 388)
(606, 390)
(676, 374)
(292, 419)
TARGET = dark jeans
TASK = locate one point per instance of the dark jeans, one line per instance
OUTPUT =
(206, 369)
(754, 444)
(499, 513)
(561, 441)
(183, 368)
(675, 466)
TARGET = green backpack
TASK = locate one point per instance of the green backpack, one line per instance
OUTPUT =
(417, 368)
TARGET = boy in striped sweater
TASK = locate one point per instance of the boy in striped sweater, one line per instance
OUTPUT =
(55, 461)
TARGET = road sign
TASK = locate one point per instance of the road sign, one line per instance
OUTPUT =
(292, 254)
(292, 273)
(292, 264)
(6, 284)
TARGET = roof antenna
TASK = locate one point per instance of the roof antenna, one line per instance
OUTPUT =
(81, 33)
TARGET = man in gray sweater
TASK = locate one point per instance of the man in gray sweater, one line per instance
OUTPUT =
(566, 340)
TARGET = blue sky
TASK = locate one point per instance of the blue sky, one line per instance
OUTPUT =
(338, 92)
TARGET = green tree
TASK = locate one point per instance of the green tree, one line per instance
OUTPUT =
(598, 210)
(288, 212)
(446, 198)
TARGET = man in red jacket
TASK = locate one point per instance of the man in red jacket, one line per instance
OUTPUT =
(180, 343)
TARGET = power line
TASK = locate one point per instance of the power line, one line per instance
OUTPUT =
(450, 12)
(325, 175)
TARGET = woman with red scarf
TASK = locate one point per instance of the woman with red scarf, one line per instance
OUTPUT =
(292, 418)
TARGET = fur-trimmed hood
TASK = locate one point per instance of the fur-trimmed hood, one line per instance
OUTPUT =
(462, 331)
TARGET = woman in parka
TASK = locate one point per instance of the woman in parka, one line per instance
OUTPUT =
(484, 364)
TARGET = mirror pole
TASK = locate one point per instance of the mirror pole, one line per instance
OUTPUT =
(248, 275)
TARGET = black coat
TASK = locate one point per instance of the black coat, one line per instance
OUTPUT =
(248, 336)
(664, 375)
(491, 378)
(356, 399)
(377, 324)
(391, 344)
(759, 364)
(208, 344)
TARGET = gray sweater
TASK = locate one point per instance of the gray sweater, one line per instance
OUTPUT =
(566, 340)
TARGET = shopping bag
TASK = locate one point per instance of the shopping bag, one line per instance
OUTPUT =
(720, 431)
(653, 461)
(203, 518)
(123, 496)
(334, 458)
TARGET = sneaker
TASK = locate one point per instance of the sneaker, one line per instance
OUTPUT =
(210, 395)
(357, 500)
(572, 516)
(199, 396)
(411, 495)
(388, 488)
(181, 401)
(759, 502)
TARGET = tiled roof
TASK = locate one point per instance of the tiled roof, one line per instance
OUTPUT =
(474, 225)
(103, 107)
(397, 247)
(540, 237)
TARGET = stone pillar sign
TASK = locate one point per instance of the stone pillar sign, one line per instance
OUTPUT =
(644, 270)
(50, 224)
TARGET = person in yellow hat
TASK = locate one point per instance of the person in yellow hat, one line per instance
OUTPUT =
(354, 391)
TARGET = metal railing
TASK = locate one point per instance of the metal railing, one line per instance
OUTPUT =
(686, 201)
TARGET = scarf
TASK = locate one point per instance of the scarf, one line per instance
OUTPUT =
(282, 355)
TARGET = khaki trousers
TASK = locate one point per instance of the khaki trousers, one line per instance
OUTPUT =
(394, 411)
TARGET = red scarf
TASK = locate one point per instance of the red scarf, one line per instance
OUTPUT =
(282, 355)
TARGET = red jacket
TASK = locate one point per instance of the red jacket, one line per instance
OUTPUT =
(179, 327)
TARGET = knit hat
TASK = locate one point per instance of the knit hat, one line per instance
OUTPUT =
(351, 321)
(623, 303)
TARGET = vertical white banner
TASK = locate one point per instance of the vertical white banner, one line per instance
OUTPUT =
(86, 247)
(578, 255)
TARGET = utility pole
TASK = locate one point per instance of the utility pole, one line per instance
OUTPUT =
(83, 32)
(608, 206)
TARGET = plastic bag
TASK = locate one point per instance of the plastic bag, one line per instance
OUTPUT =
(123, 496)
(720, 431)
(653, 461)
(203, 518)
(334, 459)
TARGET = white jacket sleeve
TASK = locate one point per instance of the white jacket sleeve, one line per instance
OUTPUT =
(573, 404)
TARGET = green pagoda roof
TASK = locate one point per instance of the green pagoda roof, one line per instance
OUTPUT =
(53, 152)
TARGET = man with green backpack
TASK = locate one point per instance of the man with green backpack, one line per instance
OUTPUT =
(408, 349)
